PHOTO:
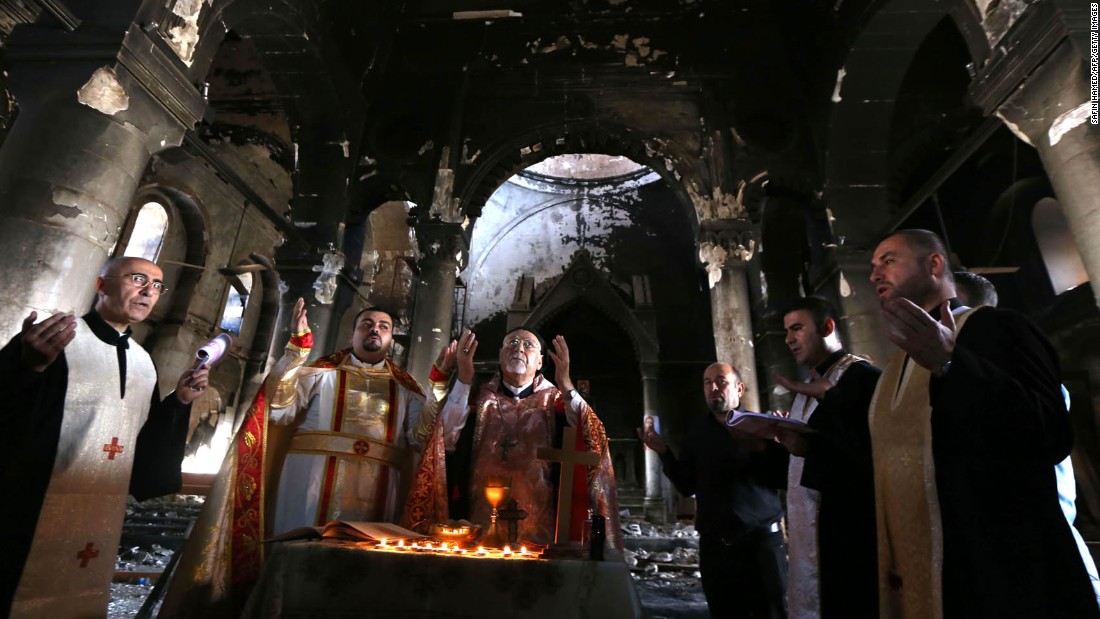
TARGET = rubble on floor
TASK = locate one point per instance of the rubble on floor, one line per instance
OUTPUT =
(152, 533)
(664, 561)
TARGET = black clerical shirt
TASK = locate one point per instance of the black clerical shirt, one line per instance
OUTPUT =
(121, 341)
(735, 488)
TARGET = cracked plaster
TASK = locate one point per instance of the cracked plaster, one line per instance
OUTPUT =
(104, 93)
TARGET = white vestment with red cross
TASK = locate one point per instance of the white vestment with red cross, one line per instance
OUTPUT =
(72, 558)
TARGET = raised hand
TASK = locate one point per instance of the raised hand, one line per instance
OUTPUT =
(652, 440)
(464, 351)
(299, 321)
(43, 342)
(560, 355)
(927, 342)
(193, 382)
(445, 362)
(816, 388)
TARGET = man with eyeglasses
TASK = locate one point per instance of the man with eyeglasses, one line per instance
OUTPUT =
(504, 423)
(85, 413)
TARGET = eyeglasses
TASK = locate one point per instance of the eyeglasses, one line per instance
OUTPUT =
(141, 280)
(527, 344)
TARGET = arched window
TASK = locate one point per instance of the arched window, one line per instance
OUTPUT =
(239, 291)
(1057, 245)
(147, 239)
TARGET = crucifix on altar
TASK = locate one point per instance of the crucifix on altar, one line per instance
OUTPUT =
(512, 514)
(573, 462)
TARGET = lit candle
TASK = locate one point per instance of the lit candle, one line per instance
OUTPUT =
(507, 552)
(523, 551)
(382, 543)
(481, 551)
(401, 544)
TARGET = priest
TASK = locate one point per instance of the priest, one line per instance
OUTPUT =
(830, 484)
(84, 412)
(507, 420)
(967, 423)
(332, 439)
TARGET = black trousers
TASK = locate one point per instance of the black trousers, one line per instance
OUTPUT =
(745, 577)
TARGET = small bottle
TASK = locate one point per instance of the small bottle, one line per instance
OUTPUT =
(598, 538)
(586, 530)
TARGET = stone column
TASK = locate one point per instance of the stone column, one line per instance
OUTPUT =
(1051, 111)
(860, 312)
(72, 161)
(443, 251)
(725, 247)
(322, 280)
(654, 503)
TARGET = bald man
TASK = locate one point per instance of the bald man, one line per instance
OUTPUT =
(83, 410)
(735, 479)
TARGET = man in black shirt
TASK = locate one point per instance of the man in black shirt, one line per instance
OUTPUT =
(734, 478)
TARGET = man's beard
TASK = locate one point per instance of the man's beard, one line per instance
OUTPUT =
(515, 366)
(372, 345)
(916, 289)
(717, 405)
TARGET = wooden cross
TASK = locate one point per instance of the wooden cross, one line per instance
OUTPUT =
(506, 445)
(88, 553)
(112, 448)
(570, 459)
(512, 514)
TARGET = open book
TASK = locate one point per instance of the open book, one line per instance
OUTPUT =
(354, 531)
(764, 425)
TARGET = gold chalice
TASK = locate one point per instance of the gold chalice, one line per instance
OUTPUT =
(496, 488)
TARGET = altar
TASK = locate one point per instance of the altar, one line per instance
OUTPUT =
(331, 578)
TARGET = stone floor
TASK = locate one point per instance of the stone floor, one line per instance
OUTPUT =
(664, 562)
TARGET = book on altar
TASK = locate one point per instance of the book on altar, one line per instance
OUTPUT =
(765, 425)
(353, 531)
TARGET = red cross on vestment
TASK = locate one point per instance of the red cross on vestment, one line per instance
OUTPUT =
(112, 448)
(87, 553)
(361, 447)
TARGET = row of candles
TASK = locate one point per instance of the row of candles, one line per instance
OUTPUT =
(455, 549)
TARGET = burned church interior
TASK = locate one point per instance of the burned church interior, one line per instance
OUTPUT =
(654, 180)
